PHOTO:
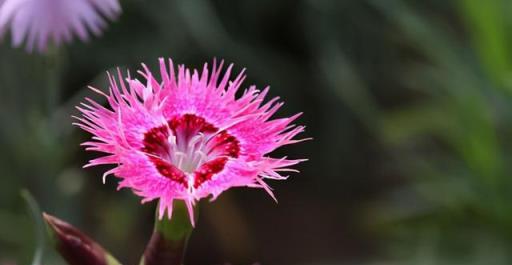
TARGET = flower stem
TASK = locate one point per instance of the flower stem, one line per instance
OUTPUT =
(53, 68)
(169, 240)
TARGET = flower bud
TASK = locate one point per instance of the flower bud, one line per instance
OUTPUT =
(76, 247)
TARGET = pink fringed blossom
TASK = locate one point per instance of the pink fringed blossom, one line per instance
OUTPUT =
(42, 21)
(188, 136)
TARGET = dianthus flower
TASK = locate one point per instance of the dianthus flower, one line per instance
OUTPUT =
(56, 21)
(189, 136)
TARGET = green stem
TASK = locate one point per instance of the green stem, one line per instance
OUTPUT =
(169, 240)
(53, 64)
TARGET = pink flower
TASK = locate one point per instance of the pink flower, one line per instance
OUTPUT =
(187, 137)
(57, 21)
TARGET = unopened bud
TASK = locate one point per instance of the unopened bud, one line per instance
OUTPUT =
(76, 247)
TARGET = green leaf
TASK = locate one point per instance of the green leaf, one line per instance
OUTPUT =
(487, 24)
(35, 212)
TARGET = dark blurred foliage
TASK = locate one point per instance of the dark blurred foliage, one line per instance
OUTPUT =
(408, 102)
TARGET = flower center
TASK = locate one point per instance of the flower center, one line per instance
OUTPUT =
(189, 150)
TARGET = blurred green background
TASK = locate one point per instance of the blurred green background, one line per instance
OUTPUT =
(409, 104)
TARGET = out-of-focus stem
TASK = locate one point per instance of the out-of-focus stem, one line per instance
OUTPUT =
(52, 64)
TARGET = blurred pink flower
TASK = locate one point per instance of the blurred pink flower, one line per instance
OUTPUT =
(40, 22)
(187, 137)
